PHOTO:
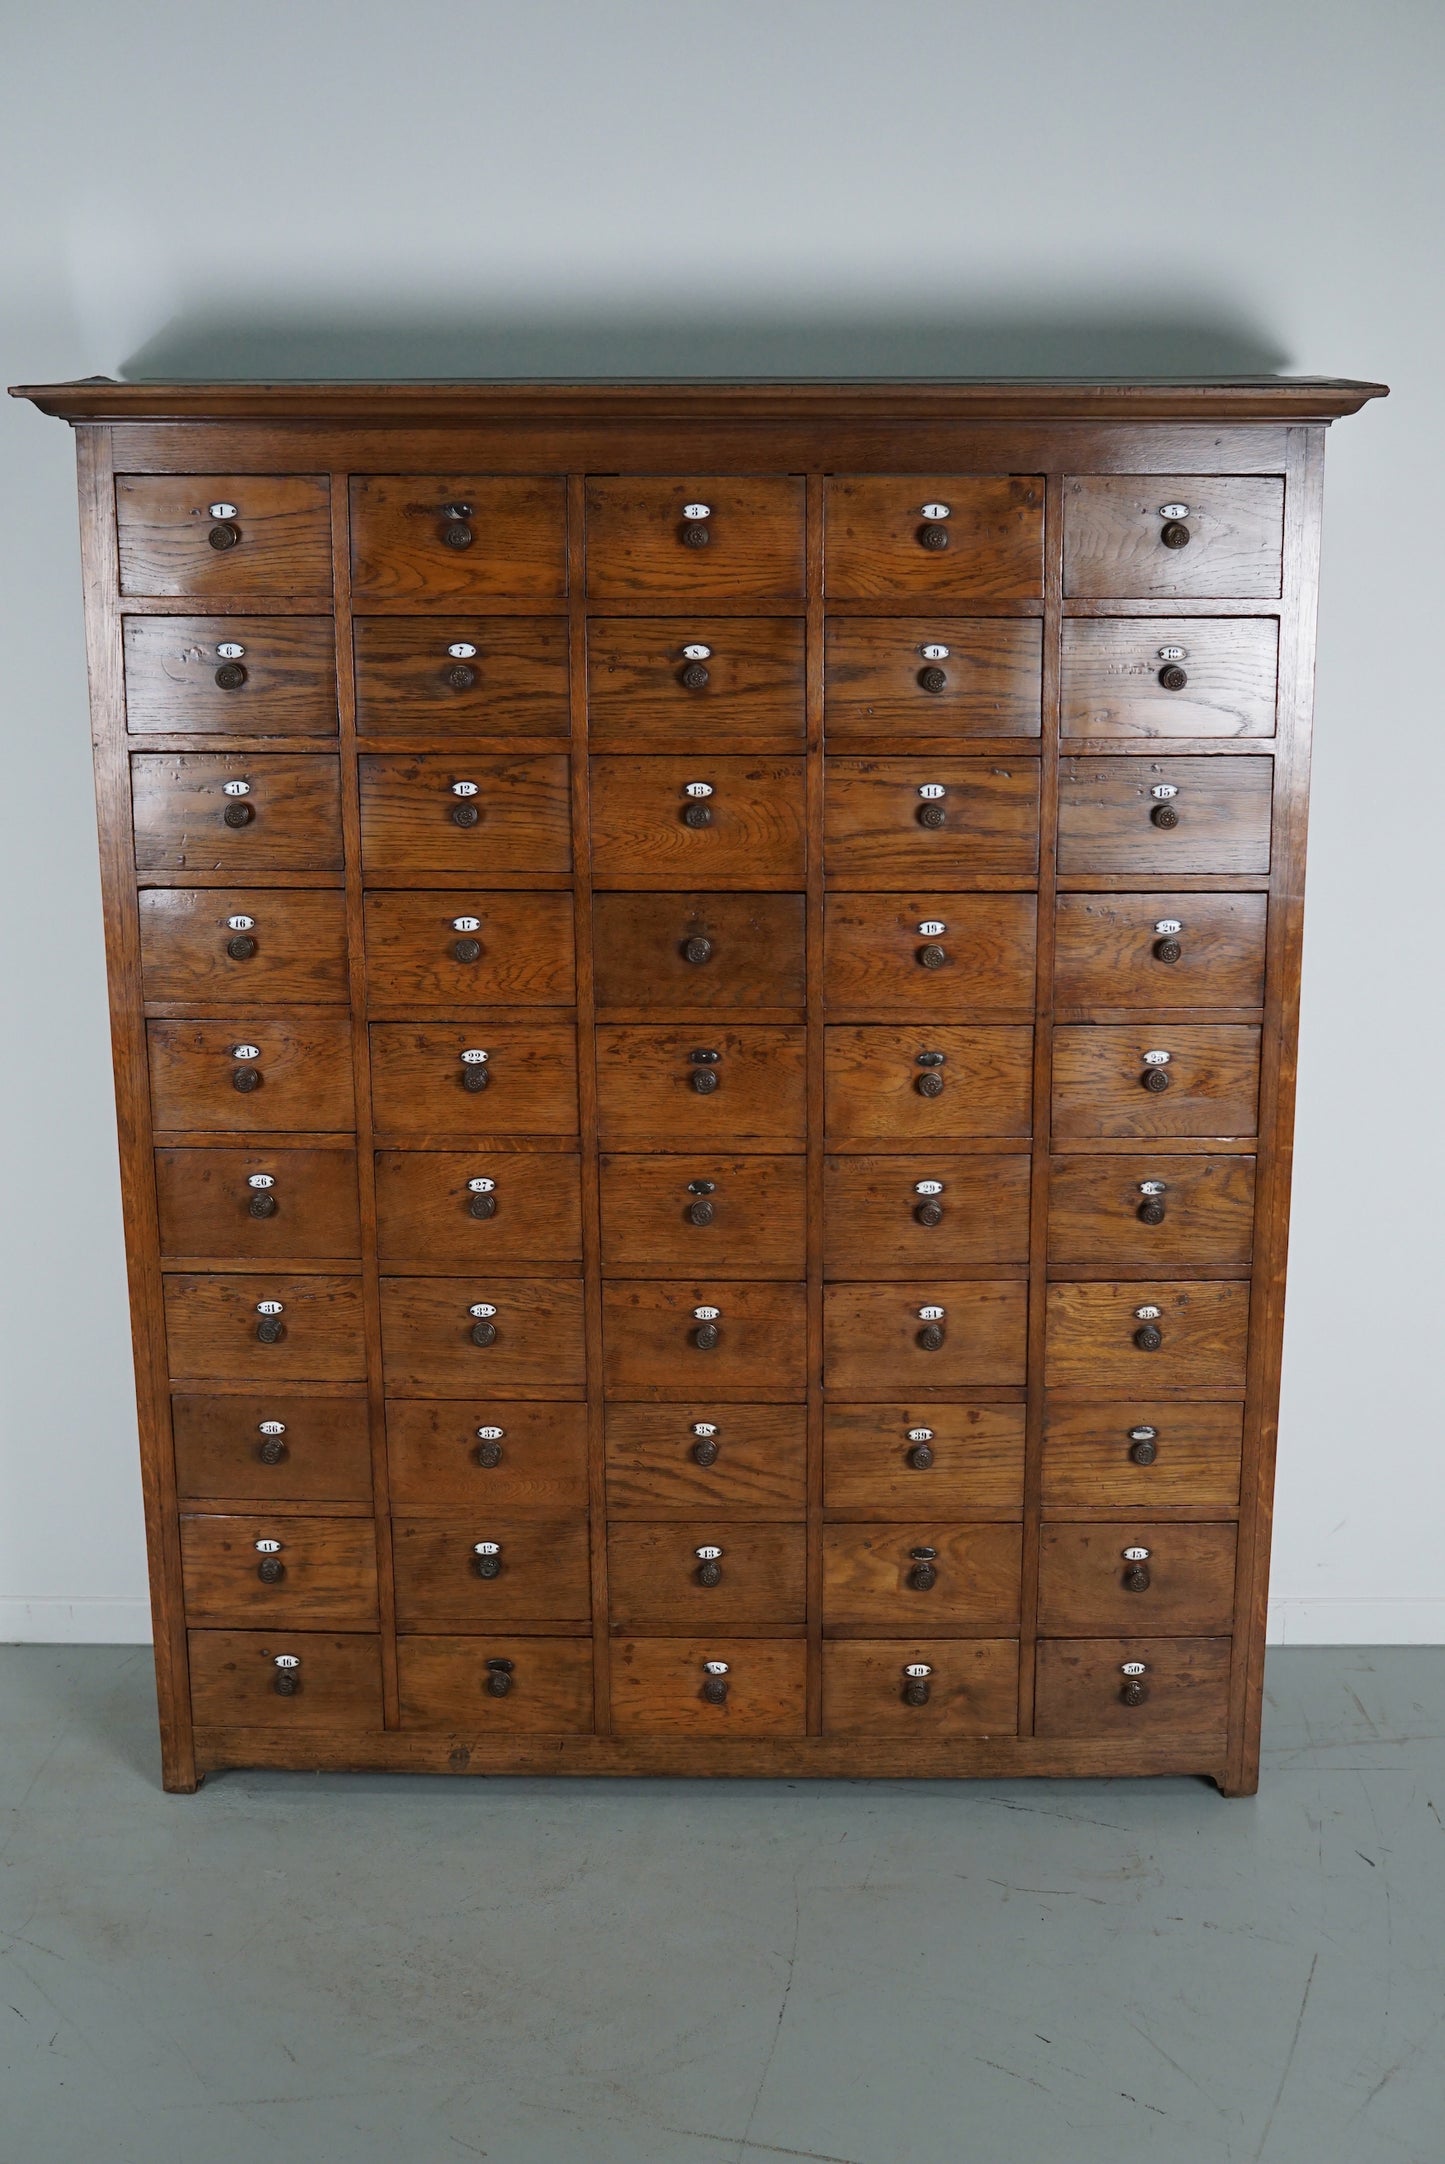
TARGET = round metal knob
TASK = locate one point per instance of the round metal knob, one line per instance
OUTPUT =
(704, 1451)
(262, 1204)
(930, 1337)
(270, 1570)
(481, 1205)
(697, 815)
(929, 1083)
(704, 1080)
(270, 1330)
(484, 1333)
(1173, 535)
(476, 1078)
(499, 1676)
(1133, 1692)
(457, 534)
(932, 957)
(1151, 1211)
(230, 676)
(706, 1336)
(245, 1079)
(465, 815)
(710, 1572)
(287, 1683)
(920, 1457)
(929, 1213)
(1164, 815)
(1136, 1577)
(694, 533)
(1172, 677)
(1155, 1080)
(697, 950)
(489, 1454)
(932, 815)
(241, 948)
(915, 1691)
(715, 1690)
(467, 950)
(923, 1577)
(1144, 1451)
(487, 1566)
(239, 815)
(933, 679)
(933, 536)
(694, 676)
(272, 1451)
(1149, 1337)
(1167, 950)
(459, 677)
(224, 536)
(700, 1213)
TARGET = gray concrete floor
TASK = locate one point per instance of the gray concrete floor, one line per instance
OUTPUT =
(315, 1970)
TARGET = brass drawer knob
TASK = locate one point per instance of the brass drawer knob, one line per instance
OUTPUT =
(709, 1565)
(483, 1332)
(697, 951)
(923, 1577)
(704, 1080)
(933, 679)
(932, 957)
(270, 1330)
(223, 535)
(238, 814)
(715, 1683)
(933, 815)
(694, 533)
(241, 947)
(262, 1204)
(929, 1213)
(1164, 815)
(1151, 1210)
(487, 1558)
(476, 1074)
(245, 1079)
(694, 675)
(287, 1683)
(272, 1450)
(459, 677)
(489, 1453)
(707, 1336)
(465, 815)
(1174, 535)
(230, 676)
(481, 1205)
(467, 950)
(499, 1676)
(700, 1212)
(1143, 1445)
(705, 1450)
(1149, 1337)
(929, 1083)
(930, 1337)
(1155, 1080)
(1136, 1576)
(920, 1457)
(1172, 677)
(916, 1683)
(1133, 1692)
(1167, 950)
(457, 534)
(270, 1570)
(932, 536)
(697, 815)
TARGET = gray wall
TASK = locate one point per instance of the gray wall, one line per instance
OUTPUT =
(767, 186)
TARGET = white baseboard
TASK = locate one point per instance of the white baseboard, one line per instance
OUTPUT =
(1369, 1621)
(75, 1622)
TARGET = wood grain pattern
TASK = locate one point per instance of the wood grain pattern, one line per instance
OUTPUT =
(755, 958)
(647, 1097)
(759, 1470)
(428, 1348)
(635, 545)
(872, 831)
(208, 1206)
(872, 1076)
(179, 805)
(303, 1060)
(1213, 1072)
(337, 1679)
(409, 807)
(327, 1566)
(296, 941)
(977, 1460)
(1208, 1203)
(873, 1227)
(288, 686)
(326, 1452)
(425, 1213)
(1089, 1461)
(867, 1573)
(1114, 683)
(1106, 950)
(652, 1572)
(525, 940)
(972, 1690)
(282, 523)
(417, 1084)
(755, 1228)
(1083, 1586)
(446, 1683)
(1186, 1680)
(1091, 1336)
(871, 1336)
(874, 946)
(657, 1687)
(543, 1576)
(1223, 807)
(754, 836)
(407, 680)
(398, 555)
(212, 1320)
(991, 677)
(650, 1349)
(537, 1467)
(995, 533)
(1113, 528)
(753, 693)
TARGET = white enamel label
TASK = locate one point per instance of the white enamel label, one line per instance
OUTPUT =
(697, 510)
(931, 790)
(697, 652)
(235, 788)
(288, 1660)
(270, 1307)
(917, 1668)
(481, 1308)
(245, 1051)
(1157, 1059)
(934, 652)
(920, 1435)
(486, 1547)
(475, 1058)
(928, 1187)
(716, 1668)
(706, 1314)
(1163, 789)
(1173, 653)
(464, 788)
(271, 1427)
(704, 1427)
(462, 650)
(221, 510)
(1136, 1555)
(1153, 1187)
(240, 924)
(490, 1435)
(1173, 510)
(268, 1547)
(1169, 924)
(936, 510)
(931, 1314)
(1133, 1668)
(1142, 1435)
(1147, 1314)
(259, 1179)
(932, 927)
(698, 788)
(481, 1187)
(230, 650)
(466, 924)
(707, 1555)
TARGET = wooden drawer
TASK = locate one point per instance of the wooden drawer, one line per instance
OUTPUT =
(288, 803)
(1095, 1206)
(872, 1077)
(465, 814)
(531, 1463)
(972, 1688)
(877, 957)
(181, 674)
(320, 1570)
(754, 952)
(650, 1349)
(1122, 675)
(421, 945)
(210, 1206)
(1186, 1588)
(321, 1454)
(874, 835)
(876, 1223)
(229, 943)
(427, 1208)
(402, 541)
(269, 533)
(658, 1687)
(972, 1459)
(754, 685)
(419, 1076)
(452, 1683)
(875, 527)
(212, 1321)
(1093, 1336)
(428, 1347)
(754, 1460)
(752, 1215)
(647, 1087)
(1212, 1073)
(1110, 952)
(637, 537)
(1100, 1455)
(872, 1335)
(472, 676)
(882, 676)
(1080, 1687)
(303, 1062)
(654, 1581)
(869, 1574)
(1221, 809)
(542, 1572)
(755, 834)
(1115, 528)
(332, 1679)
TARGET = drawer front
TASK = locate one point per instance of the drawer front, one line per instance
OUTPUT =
(878, 957)
(259, 1203)
(1112, 818)
(873, 1580)
(654, 1574)
(183, 673)
(879, 545)
(640, 541)
(906, 1216)
(472, 676)
(264, 1444)
(213, 1321)
(674, 1461)
(879, 822)
(1117, 536)
(878, 1334)
(923, 1460)
(523, 1459)
(1081, 1684)
(1106, 1210)
(519, 954)
(1170, 676)
(326, 1679)
(752, 685)
(318, 1570)
(659, 1687)
(1109, 950)
(507, 541)
(430, 1207)
(647, 1087)
(229, 943)
(230, 811)
(651, 1347)
(1140, 1453)
(704, 1214)
(214, 535)
(433, 1345)
(298, 1077)
(1212, 1077)
(465, 814)
(886, 677)
(1098, 1341)
(1183, 1587)
(968, 1688)
(422, 1082)
(651, 827)
(490, 1686)
(879, 1083)
(540, 1572)
(748, 948)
